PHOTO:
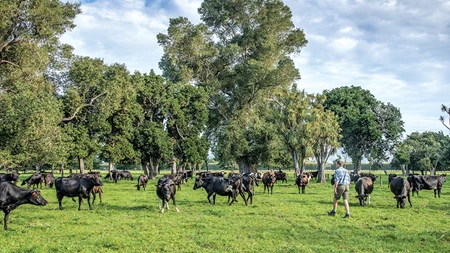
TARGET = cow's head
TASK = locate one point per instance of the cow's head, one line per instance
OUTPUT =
(36, 198)
(198, 183)
(401, 201)
(167, 189)
(362, 199)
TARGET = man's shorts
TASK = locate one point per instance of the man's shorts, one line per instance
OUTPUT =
(342, 190)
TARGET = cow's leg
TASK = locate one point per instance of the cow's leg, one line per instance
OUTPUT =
(93, 197)
(162, 207)
(59, 201)
(214, 198)
(159, 205)
(100, 195)
(80, 199)
(175, 204)
(303, 189)
(89, 201)
(409, 200)
(5, 219)
(439, 192)
(243, 196)
(209, 196)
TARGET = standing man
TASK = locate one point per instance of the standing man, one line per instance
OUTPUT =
(341, 188)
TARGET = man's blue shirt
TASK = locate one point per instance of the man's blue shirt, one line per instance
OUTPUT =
(341, 176)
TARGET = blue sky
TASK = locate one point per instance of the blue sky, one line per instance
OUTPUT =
(397, 49)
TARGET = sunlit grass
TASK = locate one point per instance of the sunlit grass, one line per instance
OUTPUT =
(129, 221)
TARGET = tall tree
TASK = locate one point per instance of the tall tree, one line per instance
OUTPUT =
(121, 111)
(240, 54)
(29, 110)
(151, 139)
(82, 94)
(370, 128)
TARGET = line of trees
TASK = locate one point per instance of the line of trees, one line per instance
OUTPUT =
(228, 86)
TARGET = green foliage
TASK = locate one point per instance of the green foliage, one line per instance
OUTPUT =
(370, 128)
(250, 60)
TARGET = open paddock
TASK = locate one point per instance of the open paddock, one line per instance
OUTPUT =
(129, 221)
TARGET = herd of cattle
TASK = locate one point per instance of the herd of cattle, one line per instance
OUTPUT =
(83, 185)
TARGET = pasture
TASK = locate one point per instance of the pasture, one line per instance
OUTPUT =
(129, 221)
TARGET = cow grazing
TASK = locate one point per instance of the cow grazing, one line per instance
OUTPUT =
(364, 187)
(281, 176)
(218, 185)
(302, 181)
(420, 182)
(11, 177)
(34, 180)
(269, 180)
(401, 189)
(76, 187)
(166, 190)
(142, 182)
(12, 196)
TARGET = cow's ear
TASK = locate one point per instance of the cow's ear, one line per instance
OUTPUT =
(35, 193)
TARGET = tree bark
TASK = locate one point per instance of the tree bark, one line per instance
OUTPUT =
(81, 164)
(295, 158)
(403, 170)
(154, 165)
(321, 165)
(111, 166)
(407, 170)
(357, 166)
(145, 168)
(38, 168)
(174, 165)
(245, 166)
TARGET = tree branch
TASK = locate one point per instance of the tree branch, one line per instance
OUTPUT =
(91, 103)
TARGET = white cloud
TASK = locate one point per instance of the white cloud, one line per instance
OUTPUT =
(343, 45)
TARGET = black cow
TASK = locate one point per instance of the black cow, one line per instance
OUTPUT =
(142, 181)
(314, 174)
(188, 174)
(48, 179)
(364, 187)
(248, 184)
(166, 190)
(435, 183)
(302, 181)
(11, 177)
(281, 176)
(401, 189)
(176, 178)
(269, 180)
(12, 196)
(125, 174)
(35, 180)
(372, 176)
(77, 187)
(217, 185)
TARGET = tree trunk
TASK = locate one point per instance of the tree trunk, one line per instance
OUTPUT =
(295, 158)
(321, 165)
(245, 166)
(356, 166)
(62, 170)
(53, 169)
(81, 164)
(38, 168)
(407, 169)
(144, 168)
(403, 170)
(154, 165)
(174, 165)
(111, 166)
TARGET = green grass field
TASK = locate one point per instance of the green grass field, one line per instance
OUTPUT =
(129, 221)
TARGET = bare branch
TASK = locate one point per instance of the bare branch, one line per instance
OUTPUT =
(91, 103)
